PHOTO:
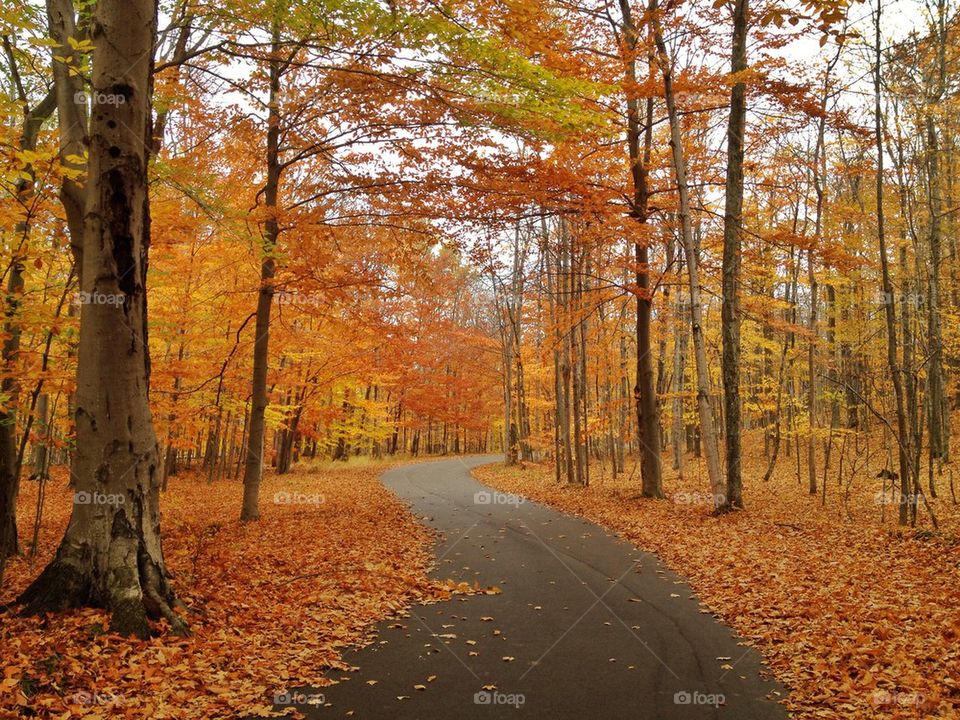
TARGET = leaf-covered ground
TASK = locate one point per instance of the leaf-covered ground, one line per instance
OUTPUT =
(856, 618)
(274, 602)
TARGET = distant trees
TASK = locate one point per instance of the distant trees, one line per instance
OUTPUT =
(784, 256)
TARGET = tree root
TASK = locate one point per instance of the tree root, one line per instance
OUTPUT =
(159, 597)
(133, 595)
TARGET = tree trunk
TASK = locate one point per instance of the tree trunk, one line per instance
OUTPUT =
(939, 415)
(812, 379)
(819, 173)
(624, 405)
(551, 273)
(679, 357)
(778, 427)
(40, 456)
(72, 115)
(564, 315)
(253, 468)
(574, 352)
(580, 338)
(903, 442)
(732, 220)
(111, 554)
(285, 461)
(645, 397)
(707, 427)
(509, 429)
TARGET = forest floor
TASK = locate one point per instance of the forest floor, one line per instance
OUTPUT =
(856, 616)
(274, 603)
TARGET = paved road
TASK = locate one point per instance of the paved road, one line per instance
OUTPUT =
(593, 628)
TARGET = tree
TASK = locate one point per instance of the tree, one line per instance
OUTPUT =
(691, 251)
(907, 470)
(645, 396)
(33, 119)
(111, 554)
(253, 465)
(732, 228)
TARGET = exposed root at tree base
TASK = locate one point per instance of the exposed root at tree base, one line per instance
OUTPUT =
(133, 597)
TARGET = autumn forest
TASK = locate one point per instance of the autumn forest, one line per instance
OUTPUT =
(346, 342)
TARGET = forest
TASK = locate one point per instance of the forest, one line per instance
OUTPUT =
(273, 271)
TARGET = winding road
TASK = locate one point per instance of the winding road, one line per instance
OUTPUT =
(586, 626)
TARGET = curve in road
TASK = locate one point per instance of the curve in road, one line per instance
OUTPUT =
(586, 625)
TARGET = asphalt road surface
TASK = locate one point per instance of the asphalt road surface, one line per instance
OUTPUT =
(586, 626)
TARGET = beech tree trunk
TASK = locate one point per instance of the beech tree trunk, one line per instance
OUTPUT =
(286, 459)
(111, 554)
(911, 290)
(551, 273)
(9, 387)
(72, 116)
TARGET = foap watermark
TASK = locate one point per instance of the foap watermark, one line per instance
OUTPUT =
(285, 297)
(83, 697)
(886, 698)
(494, 697)
(911, 299)
(298, 498)
(485, 497)
(298, 698)
(100, 298)
(882, 498)
(97, 498)
(685, 697)
(99, 98)
(699, 498)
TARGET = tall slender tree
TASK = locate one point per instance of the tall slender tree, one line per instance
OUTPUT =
(732, 227)
(708, 428)
(253, 463)
(645, 395)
